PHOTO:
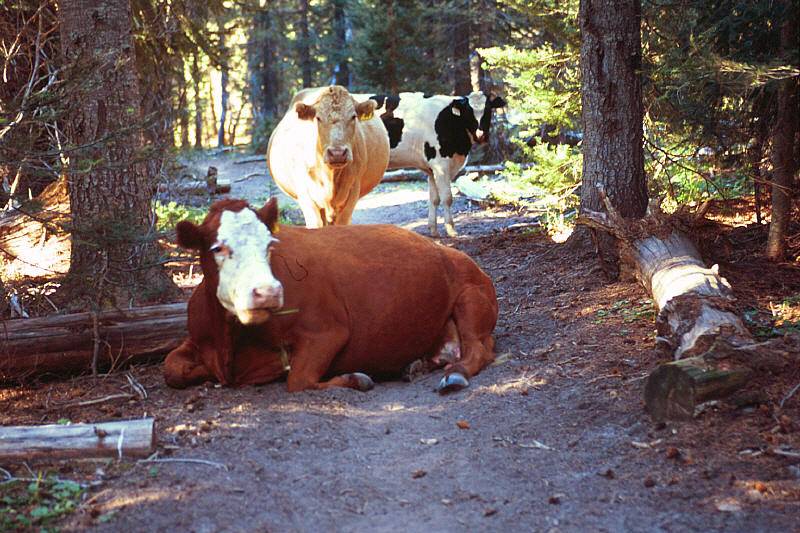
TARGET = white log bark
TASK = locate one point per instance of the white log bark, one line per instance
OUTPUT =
(126, 438)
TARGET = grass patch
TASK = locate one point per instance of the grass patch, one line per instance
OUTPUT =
(39, 503)
(627, 311)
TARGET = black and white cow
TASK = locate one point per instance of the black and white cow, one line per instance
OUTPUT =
(435, 133)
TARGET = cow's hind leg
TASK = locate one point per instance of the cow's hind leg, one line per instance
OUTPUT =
(183, 369)
(475, 315)
(311, 359)
(433, 205)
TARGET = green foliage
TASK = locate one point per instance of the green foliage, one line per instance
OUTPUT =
(37, 503)
(782, 318)
(543, 85)
(628, 311)
(169, 214)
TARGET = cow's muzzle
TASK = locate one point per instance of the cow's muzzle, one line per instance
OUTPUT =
(337, 156)
(262, 301)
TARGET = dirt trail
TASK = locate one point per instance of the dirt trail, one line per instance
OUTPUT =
(556, 438)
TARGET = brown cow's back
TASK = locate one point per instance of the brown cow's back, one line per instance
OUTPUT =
(393, 287)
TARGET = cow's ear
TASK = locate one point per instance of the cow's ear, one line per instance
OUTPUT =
(190, 236)
(305, 112)
(496, 102)
(268, 214)
(366, 110)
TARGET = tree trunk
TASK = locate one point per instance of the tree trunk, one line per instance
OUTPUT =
(114, 256)
(783, 139)
(341, 74)
(223, 102)
(486, 14)
(183, 109)
(304, 44)
(390, 82)
(460, 34)
(262, 62)
(612, 112)
(198, 103)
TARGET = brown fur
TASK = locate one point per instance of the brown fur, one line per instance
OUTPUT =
(370, 299)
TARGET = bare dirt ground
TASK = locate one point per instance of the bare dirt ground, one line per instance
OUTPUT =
(552, 437)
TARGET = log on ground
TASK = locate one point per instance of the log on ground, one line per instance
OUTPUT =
(696, 311)
(124, 438)
(64, 344)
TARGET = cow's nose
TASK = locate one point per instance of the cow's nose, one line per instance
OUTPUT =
(269, 296)
(337, 154)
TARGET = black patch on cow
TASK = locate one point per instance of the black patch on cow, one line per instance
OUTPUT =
(392, 102)
(430, 152)
(492, 102)
(427, 95)
(395, 128)
(379, 98)
(453, 130)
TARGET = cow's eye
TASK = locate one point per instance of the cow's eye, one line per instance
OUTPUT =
(353, 117)
(219, 248)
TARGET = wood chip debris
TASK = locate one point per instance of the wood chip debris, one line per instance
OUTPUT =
(646, 445)
(534, 444)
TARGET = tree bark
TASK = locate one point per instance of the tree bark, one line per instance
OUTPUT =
(304, 44)
(183, 109)
(696, 314)
(460, 33)
(63, 344)
(612, 112)
(390, 83)
(783, 145)
(342, 67)
(223, 102)
(198, 103)
(262, 66)
(114, 257)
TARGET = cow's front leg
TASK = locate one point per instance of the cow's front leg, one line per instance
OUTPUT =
(182, 367)
(311, 213)
(312, 356)
(433, 204)
(442, 180)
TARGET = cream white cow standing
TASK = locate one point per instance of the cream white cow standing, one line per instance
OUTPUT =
(327, 152)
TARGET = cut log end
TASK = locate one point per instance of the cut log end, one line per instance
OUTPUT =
(674, 390)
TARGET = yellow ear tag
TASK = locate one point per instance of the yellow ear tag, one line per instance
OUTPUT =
(367, 116)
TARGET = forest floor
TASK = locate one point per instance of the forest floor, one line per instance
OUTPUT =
(551, 437)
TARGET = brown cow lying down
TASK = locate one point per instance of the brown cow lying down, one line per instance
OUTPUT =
(332, 304)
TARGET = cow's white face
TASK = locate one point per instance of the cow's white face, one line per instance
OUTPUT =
(247, 288)
(336, 114)
(477, 101)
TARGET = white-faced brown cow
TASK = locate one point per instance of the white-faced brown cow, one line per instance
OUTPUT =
(327, 152)
(435, 133)
(331, 305)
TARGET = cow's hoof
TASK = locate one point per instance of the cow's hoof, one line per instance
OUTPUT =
(434, 232)
(362, 381)
(451, 383)
(451, 230)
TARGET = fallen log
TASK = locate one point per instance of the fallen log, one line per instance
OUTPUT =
(66, 343)
(394, 176)
(124, 438)
(696, 319)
